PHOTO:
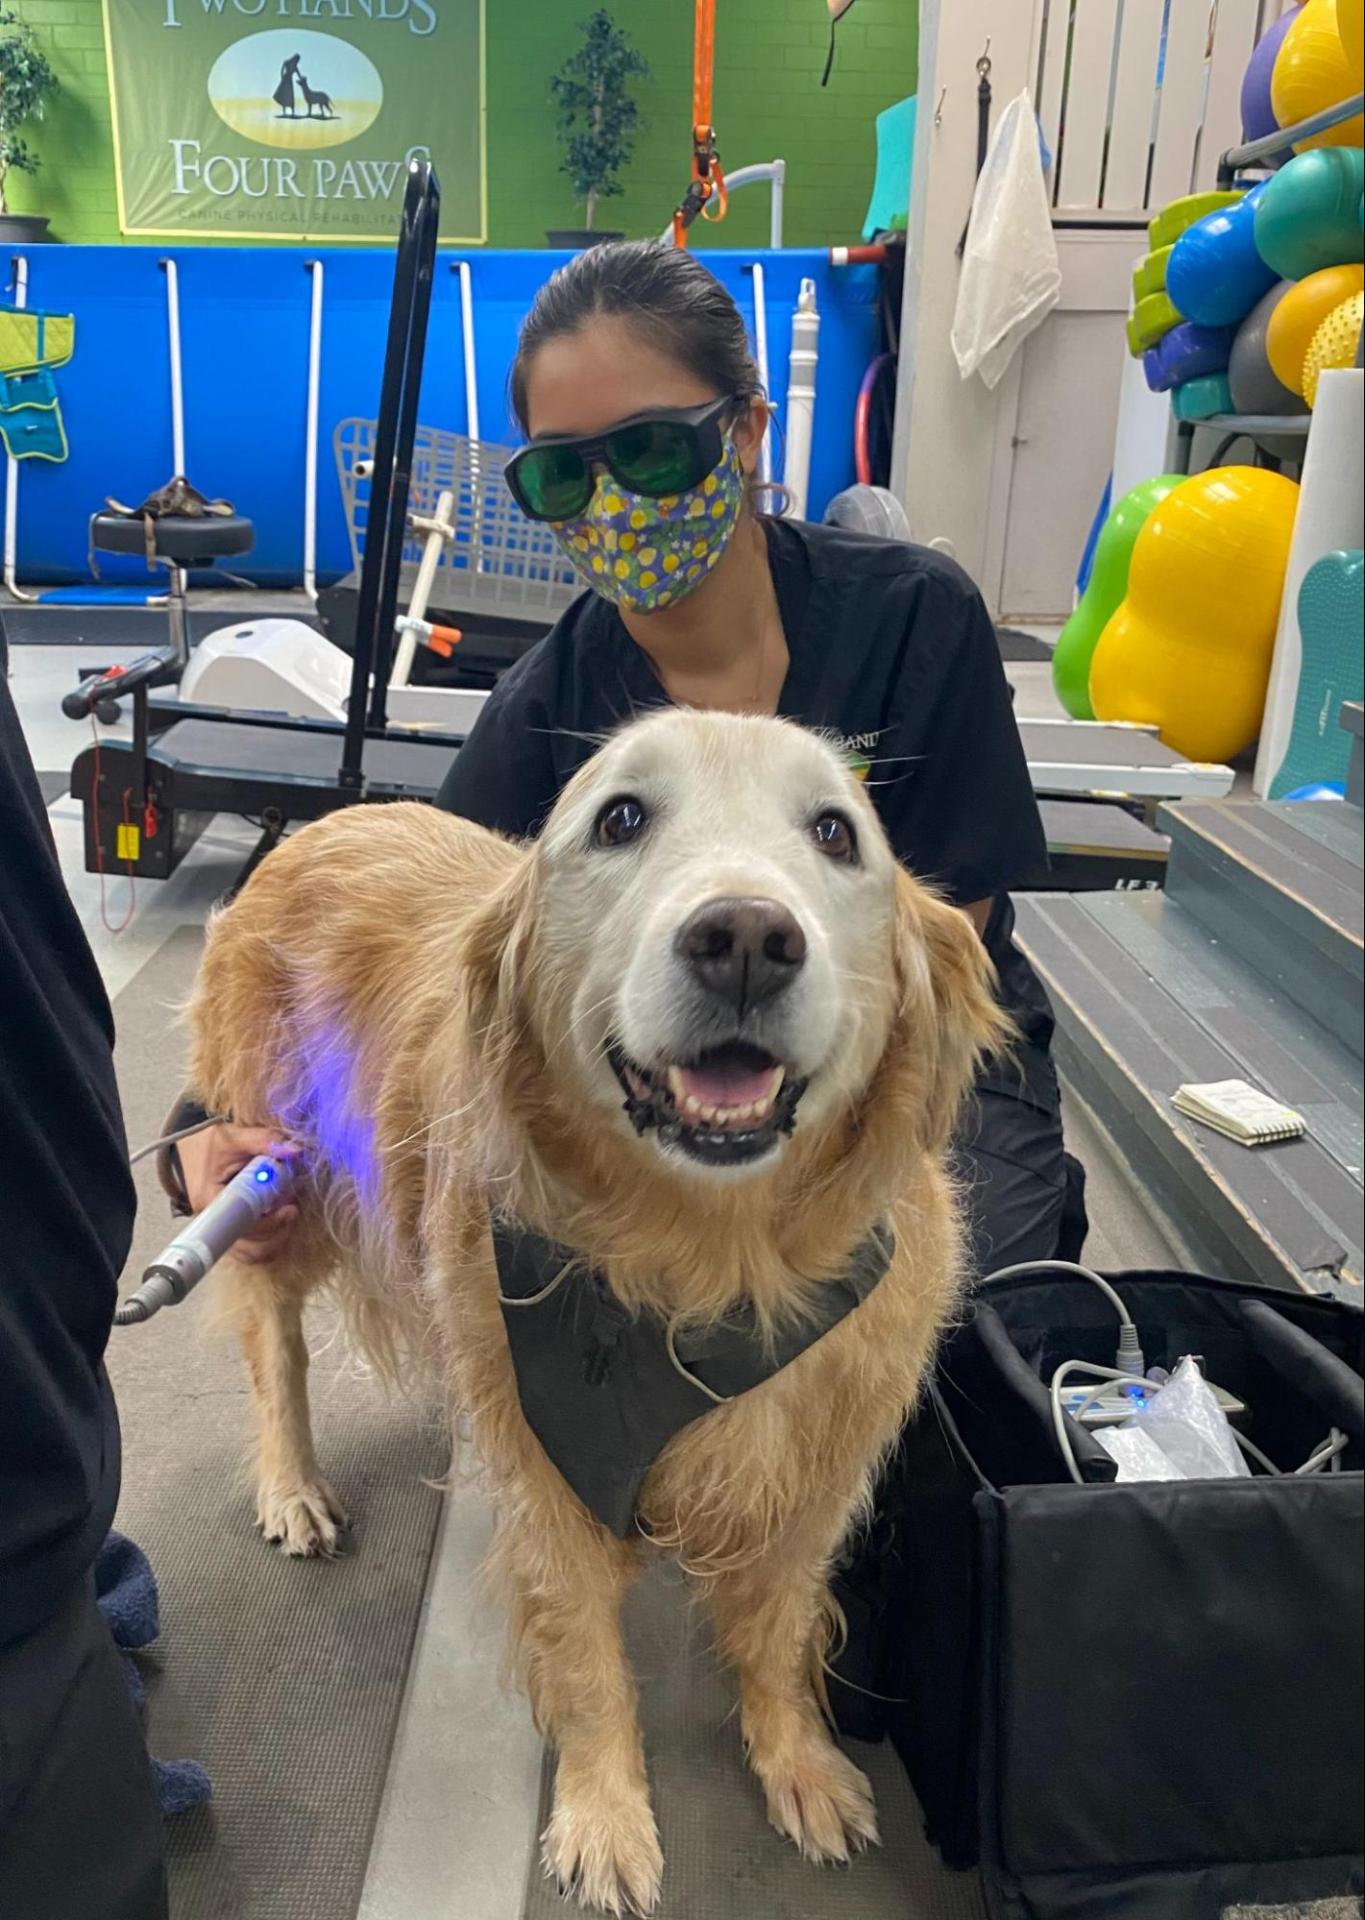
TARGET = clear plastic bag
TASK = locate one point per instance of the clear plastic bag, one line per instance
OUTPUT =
(1011, 276)
(1182, 1426)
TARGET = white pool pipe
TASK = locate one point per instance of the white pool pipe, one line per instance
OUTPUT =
(172, 274)
(440, 532)
(765, 454)
(310, 448)
(471, 404)
(12, 587)
(800, 417)
(471, 385)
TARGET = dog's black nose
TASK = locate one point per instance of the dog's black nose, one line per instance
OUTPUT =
(742, 950)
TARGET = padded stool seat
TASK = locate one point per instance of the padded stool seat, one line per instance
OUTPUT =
(185, 540)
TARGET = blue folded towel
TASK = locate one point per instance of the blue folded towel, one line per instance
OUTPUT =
(125, 1593)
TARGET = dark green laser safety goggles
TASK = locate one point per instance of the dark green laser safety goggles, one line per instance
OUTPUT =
(654, 454)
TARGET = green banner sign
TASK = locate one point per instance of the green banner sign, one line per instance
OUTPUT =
(294, 119)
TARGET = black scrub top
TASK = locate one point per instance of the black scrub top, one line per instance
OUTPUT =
(892, 652)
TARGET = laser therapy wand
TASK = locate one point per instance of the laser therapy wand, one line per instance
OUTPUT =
(251, 1194)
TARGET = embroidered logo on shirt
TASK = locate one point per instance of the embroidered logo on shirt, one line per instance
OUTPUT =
(857, 749)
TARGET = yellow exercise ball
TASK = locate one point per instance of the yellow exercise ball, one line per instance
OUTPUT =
(1313, 71)
(1290, 329)
(1334, 344)
(1188, 649)
(1351, 27)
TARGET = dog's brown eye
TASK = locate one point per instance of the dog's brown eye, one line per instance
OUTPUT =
(620, 821)
(835, 836)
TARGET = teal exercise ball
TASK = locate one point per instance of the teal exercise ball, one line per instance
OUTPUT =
(1308, 216)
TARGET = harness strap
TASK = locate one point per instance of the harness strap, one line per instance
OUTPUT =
(983, 135)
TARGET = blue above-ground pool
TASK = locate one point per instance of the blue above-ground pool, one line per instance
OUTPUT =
(244, 324)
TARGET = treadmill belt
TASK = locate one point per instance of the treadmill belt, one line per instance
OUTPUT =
(211, 748)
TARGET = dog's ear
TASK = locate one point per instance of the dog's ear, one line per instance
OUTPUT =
(494, 958)
(947, 1020)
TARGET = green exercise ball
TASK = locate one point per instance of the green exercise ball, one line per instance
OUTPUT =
(1308, 216)
(1104, 594)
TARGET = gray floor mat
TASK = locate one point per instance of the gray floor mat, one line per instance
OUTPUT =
(282, 1678)
(722, 1859)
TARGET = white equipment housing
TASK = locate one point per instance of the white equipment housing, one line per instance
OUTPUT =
(283, 666)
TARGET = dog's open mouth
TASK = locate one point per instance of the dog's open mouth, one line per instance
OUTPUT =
(730, 1104)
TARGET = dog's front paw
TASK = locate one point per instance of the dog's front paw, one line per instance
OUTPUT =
(603, 1846)
(305, 1520)
(819, 1799)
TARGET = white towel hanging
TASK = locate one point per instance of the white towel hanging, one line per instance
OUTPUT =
(1011, 277)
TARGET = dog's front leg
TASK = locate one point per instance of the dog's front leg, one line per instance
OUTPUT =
(567, 1579)
(295, 1506)
(772, 1618)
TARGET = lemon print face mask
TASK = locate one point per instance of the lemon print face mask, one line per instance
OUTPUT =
(645, 555)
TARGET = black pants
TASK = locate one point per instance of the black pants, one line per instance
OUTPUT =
(1025, 1200)
(1024, 1196)
(80, 1828)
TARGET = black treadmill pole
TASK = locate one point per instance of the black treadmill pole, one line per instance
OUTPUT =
(391, 475)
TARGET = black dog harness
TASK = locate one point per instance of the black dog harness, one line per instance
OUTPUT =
(605, 1390)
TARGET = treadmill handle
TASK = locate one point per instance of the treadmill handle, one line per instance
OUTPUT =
(112, 683)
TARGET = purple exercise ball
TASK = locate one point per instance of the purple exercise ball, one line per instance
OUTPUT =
(1258, 116)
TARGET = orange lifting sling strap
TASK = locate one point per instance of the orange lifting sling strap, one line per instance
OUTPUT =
(708, 181)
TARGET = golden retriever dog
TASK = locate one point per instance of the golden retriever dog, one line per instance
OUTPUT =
(691, 1063)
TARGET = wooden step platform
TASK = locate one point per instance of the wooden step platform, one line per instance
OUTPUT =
(1282, 882)
(1245, 969)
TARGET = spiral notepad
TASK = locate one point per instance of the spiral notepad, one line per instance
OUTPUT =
(1239, 1111)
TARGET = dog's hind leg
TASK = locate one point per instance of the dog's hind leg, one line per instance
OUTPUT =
(771, 1617)
(294, 1504)
(567, 1579)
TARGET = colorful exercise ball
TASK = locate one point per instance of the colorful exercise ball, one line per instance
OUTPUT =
(1333, 345)
(1312, 72)
(1103, 594)
(1214, 274)
(1258, 115)
(1309, 215)
(1252, 381)
(1319, 790)
(1189, 649)
(1351, 28)
(1290, 329)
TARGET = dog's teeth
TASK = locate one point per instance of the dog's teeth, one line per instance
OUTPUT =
(692, 1105)
(709, 1113)
(676, 1085)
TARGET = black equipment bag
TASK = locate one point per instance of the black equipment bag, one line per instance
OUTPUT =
(1135, 1701)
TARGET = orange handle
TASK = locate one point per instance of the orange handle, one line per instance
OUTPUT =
(444, 640)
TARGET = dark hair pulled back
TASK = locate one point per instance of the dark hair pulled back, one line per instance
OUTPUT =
(666, 290)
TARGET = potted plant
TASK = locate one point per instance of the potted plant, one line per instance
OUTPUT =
(597, 121)
(26, 80)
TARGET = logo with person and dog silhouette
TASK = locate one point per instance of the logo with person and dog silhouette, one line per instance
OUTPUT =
(297, 90)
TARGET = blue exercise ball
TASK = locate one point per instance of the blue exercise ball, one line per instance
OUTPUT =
(1319, 790)
(1215, 275)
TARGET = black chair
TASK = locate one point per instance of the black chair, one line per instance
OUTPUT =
(178, 542)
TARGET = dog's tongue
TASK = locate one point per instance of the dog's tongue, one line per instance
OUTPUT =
(727, 1084)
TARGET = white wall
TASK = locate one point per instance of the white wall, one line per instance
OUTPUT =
(945, 463)
(1012, 478)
